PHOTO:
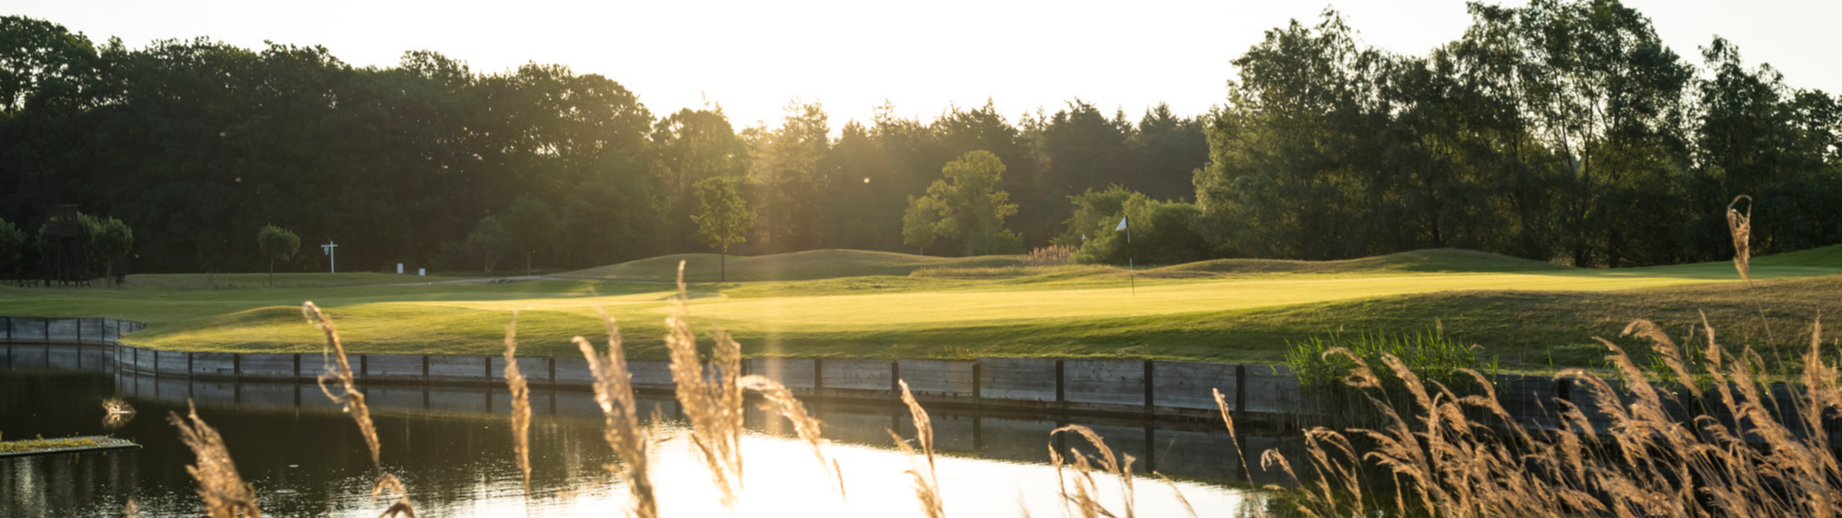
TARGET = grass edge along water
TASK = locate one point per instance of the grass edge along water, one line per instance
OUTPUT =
(1440, 461)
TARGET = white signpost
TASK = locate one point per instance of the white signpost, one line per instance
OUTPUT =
(332, 258)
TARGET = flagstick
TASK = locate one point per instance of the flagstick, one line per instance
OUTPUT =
(1132, 275)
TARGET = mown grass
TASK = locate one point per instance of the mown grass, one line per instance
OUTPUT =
(1532, 316)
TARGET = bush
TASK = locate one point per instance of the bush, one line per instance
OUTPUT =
(1160, 234)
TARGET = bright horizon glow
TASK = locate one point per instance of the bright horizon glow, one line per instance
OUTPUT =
(753, 57)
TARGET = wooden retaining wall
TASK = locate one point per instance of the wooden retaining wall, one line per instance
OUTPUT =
(1074, 386)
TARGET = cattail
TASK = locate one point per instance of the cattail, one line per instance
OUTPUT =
(222, 489)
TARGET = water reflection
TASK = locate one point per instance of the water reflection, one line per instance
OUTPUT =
(453, 449)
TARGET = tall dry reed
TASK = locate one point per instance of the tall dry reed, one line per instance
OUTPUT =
(712, 396)
(1654, 458)
(338, 369)
(521, 402)
(224, 493)
(926, 482)
(1085, 500)
(621, 427)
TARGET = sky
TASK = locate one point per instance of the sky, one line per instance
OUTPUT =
(753, 57)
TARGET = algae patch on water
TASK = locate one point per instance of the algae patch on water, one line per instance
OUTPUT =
(42, 445)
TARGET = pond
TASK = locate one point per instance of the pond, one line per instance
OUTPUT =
(452, 447)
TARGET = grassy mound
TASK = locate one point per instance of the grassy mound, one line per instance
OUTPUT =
(814, 264)
(832, 264)
(1443, 260)
(1825, 257)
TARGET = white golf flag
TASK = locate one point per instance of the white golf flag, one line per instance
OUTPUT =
(1122, 224)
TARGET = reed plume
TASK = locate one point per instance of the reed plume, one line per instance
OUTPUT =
(338, 368)
(621, 426)
(777, 398)
(1746, 458)
(1085, 499)
(926, 483)
(1739, 226)
(710, 395)
(222, 489)
(521, 402)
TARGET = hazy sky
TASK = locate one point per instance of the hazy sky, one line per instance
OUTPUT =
(753, 56)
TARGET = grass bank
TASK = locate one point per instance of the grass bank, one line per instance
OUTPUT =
(1530, 316)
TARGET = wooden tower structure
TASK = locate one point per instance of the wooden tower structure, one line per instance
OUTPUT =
(66, 259)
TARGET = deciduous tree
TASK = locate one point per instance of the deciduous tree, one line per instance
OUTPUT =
(722, 218)
(276, 244)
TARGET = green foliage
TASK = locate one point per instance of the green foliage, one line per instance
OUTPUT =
(488, 243)
(969, 204)
(722, 218)
(1429, 353)
(1095, 212)
(1556, 131)
(694, 145)
(277, 244)
(109, 243)
(788, 187)
(920, 226)
(1161, 231)
(532, 226)
(12, 249)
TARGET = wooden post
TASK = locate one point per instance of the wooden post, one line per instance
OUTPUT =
(188, 364)
(818, 378)
(1148, 404)
(297, 375)
(552, 362)
(425, 370)
(978, 396)
(1061, 396)
(1564, 388)
(1240, 391)
(236, 366)
(895, 378)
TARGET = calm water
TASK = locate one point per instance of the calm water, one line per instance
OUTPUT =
(452, 448)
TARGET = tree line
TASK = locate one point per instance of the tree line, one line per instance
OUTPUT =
(1559, 130)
